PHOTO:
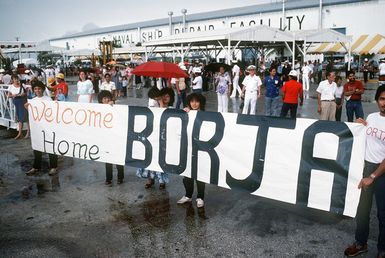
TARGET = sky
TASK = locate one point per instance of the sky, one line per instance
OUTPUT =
(37, 20)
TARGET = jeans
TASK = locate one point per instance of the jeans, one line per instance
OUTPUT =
(271, 106)
(365, 205)
(120, 169)
(38, 157)
(288, 106)
(181, 99)
(189, 187)
(354, 107)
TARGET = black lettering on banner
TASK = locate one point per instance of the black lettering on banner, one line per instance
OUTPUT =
(211, 27)
(181, 167)
(66, 146)
(231, 24)
(288, 18)
(252, 22)
(50, 142)
(340, 166)
(207, 146)
(139, 136)
(253, 181)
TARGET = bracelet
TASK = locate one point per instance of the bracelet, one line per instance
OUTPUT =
(372, 176)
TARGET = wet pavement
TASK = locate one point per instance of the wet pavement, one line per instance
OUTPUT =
(74, 214)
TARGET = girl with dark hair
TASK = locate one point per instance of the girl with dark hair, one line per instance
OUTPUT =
(19, 97)
(85, 88)
(195, 101)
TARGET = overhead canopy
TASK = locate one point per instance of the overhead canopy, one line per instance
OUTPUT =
(321, 35)
(39, 47)
(363, 44)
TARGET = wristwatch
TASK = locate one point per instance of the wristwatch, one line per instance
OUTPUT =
(372, 176)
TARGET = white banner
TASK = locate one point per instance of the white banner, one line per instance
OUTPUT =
(307, 162)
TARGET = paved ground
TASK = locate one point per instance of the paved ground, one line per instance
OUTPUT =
(75, 215)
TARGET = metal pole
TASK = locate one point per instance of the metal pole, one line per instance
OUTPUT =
(320, 15)
(283, 15)
(184, 11)
(170, 21)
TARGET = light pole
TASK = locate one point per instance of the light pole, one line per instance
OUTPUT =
(184, 11)
(170, 13)
(320, 15)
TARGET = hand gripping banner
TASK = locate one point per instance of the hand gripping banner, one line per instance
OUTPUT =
(307, 162)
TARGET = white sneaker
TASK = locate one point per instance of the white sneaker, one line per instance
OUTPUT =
(184, 199)
(200, 203)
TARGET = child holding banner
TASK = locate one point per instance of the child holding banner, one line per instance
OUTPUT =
(165, 99)
(39, 88)
(105, 97)
(195, 101)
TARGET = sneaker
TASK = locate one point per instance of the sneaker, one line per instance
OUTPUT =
(108, 183)
(32, 172)
(184, 199)
(356, 249)
(52, 171)
(200, 203)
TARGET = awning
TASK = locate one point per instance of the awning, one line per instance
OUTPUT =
(363, 44)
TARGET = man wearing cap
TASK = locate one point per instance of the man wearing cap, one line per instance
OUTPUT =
(59, 89)
(326, 97)
(285, 71)
(291, 90)
(236, 70)
(251, 91)
(38, 89)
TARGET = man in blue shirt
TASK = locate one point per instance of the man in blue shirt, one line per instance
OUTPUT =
(272, 84)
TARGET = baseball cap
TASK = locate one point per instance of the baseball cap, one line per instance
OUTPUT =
(293, 73)
(251, 67)
(60, 76)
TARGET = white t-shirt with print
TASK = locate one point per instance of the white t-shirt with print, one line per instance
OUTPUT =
(108, 86)
(375, 138)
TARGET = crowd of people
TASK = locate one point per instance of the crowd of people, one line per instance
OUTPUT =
(281, 83)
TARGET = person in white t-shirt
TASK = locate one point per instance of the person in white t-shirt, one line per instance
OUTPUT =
(109, 85)
(339, 95)
(197, 83)
(38, 89)
(236, 70)
(306, 73)
(251, 91)
(373, 181)
(326, 97)
(381, 67)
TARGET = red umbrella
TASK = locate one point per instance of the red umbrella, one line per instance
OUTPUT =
(159, 70)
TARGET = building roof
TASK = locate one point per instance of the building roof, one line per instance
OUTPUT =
(239, 11)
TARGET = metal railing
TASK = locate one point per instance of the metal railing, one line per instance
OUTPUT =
(7, 109)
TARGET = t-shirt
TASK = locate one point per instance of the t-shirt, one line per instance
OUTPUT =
(197, 83)
(306, 70)
(43, 98)
(236, 70)
(381, 69)
(153, 103)
(291, 90)
(252, 83)
(15, 90)
(353, 86)
(375, 138)
(110, 86)
(339, 92)
(272, 86)
(327, 90)
(7, 79)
